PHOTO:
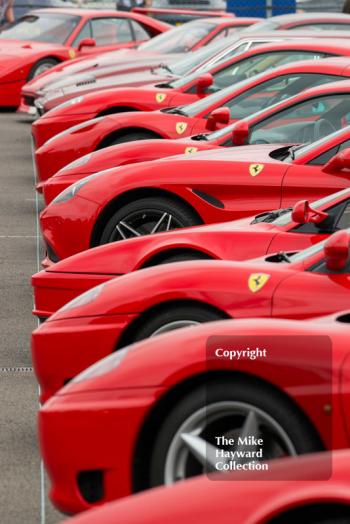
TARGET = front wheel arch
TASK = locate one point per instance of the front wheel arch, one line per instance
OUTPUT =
(114, 135)
(125, 198)
(167, 402)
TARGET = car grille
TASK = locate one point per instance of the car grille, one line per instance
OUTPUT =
(29, 100)
(51, 255)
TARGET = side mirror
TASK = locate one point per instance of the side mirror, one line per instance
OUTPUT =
(336, 250)
(86, 42)
(221, 115)
(338, 162)
(203, 82)
(240, 133)
(303, 213)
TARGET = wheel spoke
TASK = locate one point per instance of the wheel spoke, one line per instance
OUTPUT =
(204, 452)
(128, 229)
(160, 222)
(250, 428)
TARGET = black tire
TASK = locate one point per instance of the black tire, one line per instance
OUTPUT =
(186, 313)
(132, 137)
(49, 62)
(183, 257)
(260, 396)
(182, 217)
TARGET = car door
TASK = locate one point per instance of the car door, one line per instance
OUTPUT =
(314, 292)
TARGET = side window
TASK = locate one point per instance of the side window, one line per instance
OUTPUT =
(320, 160)
(344, 220)
(338, 218)
(273, 91)
(227, 31)
(108, 31)
(304, 122)
(140, 33)
(256, 64)
(85, 32)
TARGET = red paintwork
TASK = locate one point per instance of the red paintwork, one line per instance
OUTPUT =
(96, 423)
(162, 125)
(66, 343)
(18, 56)
(196, 13)
(109, 65)
(202, 501)
(144, 98)
(69, 226)
(238, 240)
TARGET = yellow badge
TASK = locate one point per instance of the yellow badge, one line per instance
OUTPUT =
(181, 127)
(72, 53)
(255, 169)
(190, 150)
(160, 97)
(257, 281)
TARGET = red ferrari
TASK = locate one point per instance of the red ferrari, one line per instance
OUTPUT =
(146, 416)
(226, 106)
(186, 90)
(166, 297)
(302, 497)
(177, 42)
(44, 38)
(210, 186)
(279, 230)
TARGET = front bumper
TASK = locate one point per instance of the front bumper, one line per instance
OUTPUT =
(63, 348)
(92, 433)
(68, 226)
(10, 93)
(56, 184)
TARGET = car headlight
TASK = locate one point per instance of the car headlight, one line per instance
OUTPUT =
(77, 163)
(83, 299)
(68, 103)
(72, 190)
(102, 366)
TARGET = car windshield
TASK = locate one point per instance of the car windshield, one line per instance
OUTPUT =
(302, 150)
(285, 217)
(244, 102)
(52, 28)
(180, 39)
(304, 122)
(195, 59)
(300, 256)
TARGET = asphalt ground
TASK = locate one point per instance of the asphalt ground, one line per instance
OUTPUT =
(23, 486)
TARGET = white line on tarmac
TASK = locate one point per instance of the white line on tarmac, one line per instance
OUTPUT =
(17, 236)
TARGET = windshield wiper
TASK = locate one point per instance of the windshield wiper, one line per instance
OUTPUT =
(175, 111)
(271, 216)
(166, 67)
(201, 136)
(283, 257)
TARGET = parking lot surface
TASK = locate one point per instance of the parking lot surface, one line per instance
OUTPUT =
(22, 486)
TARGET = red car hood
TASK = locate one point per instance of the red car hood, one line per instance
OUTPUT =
(22, 48)
(102, 259)
(120, 57)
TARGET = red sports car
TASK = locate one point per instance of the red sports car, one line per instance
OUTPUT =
(240, 101)
(43, 38)
(152, 413)
(149, 54)
(279, 230)
(210, 186)
(302, 497)
(163, 298)
(178, 92)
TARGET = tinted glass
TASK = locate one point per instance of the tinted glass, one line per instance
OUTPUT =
(108, 31)
(179, 39)
(51, 28)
